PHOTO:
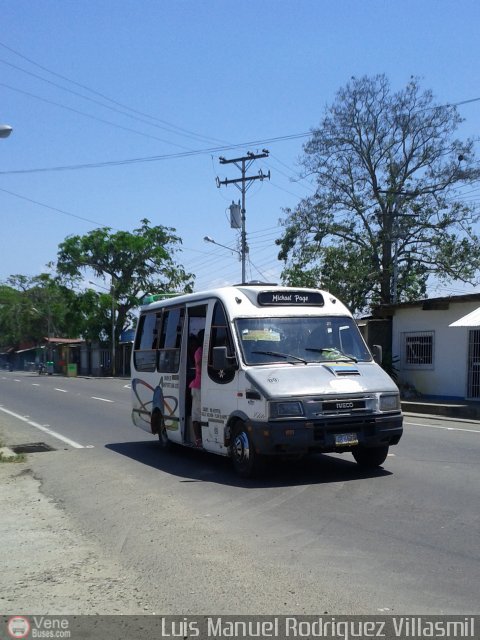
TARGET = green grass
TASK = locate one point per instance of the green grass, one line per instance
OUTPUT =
(17, 457)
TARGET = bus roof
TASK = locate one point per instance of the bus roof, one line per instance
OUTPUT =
(260, 299)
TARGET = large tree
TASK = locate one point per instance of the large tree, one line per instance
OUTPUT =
(33, 308)
(131, 263)
(387, 212)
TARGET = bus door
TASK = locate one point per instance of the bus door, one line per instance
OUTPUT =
(167, 397)
(219, 386)
(193, 339)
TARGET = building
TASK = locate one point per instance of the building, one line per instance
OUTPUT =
(436, 345)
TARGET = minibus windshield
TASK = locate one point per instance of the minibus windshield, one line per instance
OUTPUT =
(300, 339)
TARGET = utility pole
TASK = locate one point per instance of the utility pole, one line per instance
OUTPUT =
(243, 184)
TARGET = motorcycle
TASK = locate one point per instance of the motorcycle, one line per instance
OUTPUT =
(42, 369)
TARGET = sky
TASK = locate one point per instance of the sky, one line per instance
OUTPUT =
(133, 87)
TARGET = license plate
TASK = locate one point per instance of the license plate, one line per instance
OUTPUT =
(346, 439)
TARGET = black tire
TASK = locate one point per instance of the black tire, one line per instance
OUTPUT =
(370, 457)
(245, 459)
(158, 427)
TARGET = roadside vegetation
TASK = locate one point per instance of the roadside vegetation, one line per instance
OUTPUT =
(62, 302)
(6, 457)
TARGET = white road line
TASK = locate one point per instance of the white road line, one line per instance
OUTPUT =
(102, 399)
(436, 426)
(35, 384)
(54, 434)
(62, 390)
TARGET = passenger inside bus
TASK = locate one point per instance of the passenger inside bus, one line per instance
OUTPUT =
(195, 386)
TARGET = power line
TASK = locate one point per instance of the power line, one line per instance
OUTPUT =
(181, 130)
(62, 211)
(167, 156)
(92, 117)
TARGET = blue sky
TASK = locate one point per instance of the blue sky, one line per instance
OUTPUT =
(195, 75)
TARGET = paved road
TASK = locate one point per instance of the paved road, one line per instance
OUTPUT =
(310, 538)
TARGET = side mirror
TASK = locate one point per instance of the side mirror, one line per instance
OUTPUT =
(221, 359)
(377, 353)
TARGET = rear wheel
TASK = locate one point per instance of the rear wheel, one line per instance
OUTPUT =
(244, 457)
(370, 457)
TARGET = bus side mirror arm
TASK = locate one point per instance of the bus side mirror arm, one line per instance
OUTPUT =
(221, 359)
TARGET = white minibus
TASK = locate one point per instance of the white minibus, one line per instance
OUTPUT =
(282, 372)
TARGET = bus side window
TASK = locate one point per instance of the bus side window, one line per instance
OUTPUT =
(220, 337)
(144, 353)
(170, 340)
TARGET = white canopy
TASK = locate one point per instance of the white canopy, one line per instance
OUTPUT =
(472, 319)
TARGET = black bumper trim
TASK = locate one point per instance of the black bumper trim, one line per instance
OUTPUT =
(294, 436)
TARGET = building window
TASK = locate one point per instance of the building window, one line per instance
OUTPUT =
(418, 350)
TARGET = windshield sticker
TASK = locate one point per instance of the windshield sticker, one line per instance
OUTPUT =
(261, 334)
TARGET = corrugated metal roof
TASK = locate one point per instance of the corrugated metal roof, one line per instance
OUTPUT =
(472, 319)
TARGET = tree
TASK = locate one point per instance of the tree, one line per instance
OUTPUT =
(132, 263)
(32, 309)
(386, 213)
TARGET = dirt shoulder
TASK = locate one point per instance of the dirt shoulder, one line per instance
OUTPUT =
(47, 565)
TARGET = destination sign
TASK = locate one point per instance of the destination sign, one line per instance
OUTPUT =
(290, 298)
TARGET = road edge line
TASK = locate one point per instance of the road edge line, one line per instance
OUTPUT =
(54, 434)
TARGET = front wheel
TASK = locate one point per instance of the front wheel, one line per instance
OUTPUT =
(244, 457)
(370, 457)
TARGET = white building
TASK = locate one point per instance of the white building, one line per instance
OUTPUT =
(437, 344)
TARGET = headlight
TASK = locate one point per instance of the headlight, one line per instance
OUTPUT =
(286, 409)
(390, 402)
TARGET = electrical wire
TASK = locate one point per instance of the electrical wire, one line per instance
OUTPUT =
(157, 158)
(172, 126)
(92, 117)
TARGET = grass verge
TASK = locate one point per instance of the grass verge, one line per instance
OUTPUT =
(5, 457)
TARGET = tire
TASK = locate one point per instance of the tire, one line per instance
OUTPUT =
(370, 457)
(245, 459)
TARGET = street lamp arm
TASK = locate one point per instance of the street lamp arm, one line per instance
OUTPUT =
(212, 241)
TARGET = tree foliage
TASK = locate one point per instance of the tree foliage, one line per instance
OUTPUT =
(386, 213)
(131, 263)
(35, 308)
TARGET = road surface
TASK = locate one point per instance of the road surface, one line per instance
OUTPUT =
(181, 533)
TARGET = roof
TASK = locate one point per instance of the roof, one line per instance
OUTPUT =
(472, 319)
(260, 299)
(64, 340)
(426, 304)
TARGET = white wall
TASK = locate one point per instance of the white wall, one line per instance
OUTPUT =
(448, 377)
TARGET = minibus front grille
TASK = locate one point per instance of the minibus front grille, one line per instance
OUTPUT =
(339, 406)
(336, 426)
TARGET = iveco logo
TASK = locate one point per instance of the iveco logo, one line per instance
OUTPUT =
(344, 405)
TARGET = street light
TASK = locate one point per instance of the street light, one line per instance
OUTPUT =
(209, 239)
(112, 293)
(5, 130)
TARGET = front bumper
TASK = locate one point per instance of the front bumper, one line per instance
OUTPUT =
(301, 436)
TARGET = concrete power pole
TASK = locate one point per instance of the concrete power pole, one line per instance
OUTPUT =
(243, 184)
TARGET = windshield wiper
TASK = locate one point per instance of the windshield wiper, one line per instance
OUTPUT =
(331, 350)
(281, 355)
